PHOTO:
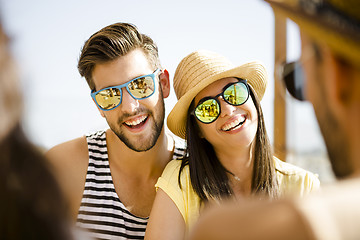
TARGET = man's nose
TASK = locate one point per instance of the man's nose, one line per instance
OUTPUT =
(128, 103)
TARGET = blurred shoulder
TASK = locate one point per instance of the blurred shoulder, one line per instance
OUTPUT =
(237, 221)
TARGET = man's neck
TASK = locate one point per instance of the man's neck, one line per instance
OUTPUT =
(147, 164)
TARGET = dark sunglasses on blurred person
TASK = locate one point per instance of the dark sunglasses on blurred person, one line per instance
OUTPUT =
(293, 77)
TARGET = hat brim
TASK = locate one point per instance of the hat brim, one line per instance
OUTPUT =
(253, 72)
(344, 41)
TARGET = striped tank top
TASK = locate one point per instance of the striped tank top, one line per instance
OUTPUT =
(102, 214)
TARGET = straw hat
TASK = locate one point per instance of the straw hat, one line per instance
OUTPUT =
(198, 70)
(335, 22)
(10, 97)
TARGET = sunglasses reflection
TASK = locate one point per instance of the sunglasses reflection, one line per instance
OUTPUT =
(141, 86)
(208, 110)
(235, 94)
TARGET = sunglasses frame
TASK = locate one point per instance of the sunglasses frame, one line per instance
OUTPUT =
(240, 80)
(126, 85)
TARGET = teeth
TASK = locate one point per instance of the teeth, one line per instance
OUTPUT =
(233, 124)
(136, 122)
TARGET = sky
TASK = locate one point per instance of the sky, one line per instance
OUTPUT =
(47, 36)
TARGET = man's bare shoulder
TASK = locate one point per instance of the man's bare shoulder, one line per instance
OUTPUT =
(70, 161)
(68, 150)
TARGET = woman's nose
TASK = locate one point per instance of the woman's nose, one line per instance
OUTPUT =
(226, 108)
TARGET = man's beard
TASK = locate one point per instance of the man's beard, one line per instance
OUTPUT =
(158, 118)
(150, 143)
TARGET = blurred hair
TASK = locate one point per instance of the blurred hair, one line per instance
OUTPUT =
(112, 42)
(10, 96)
(31, 203)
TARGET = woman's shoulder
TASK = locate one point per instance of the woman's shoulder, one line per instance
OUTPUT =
(172, 169)
(174, 165)
(294, 176)
(169, 181)
(289, 169)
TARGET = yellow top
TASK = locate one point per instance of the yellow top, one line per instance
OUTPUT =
(292, 181)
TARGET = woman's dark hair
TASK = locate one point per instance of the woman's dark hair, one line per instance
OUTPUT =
(31, 203)
(209, 177)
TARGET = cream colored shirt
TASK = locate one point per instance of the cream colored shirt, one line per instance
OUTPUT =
(292, 181)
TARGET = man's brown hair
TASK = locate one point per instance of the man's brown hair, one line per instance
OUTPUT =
(112, 42)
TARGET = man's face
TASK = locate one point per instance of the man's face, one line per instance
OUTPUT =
(318, 93)
(137, 123)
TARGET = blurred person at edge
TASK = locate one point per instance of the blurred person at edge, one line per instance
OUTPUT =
(31, 204)
(328, 75)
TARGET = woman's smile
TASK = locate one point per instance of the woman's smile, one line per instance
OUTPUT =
(234, 123)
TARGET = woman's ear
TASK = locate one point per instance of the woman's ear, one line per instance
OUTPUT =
(165, 83)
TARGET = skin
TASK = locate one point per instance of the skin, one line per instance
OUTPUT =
(333, 87)
(233, 149)
(333, 90)
(252, 220)
(135, 185)
(137, 139)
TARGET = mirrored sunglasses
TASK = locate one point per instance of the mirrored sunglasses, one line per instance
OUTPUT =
(139, 88)
(208, 109)
(293, 78)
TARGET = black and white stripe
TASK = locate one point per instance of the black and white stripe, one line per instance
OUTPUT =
(101, 212)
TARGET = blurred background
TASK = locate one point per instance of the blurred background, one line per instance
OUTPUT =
(47, 36)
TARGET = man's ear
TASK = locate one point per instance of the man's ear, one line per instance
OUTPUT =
(165, 83)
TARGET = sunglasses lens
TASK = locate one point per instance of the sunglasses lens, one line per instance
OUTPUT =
(207, 111)
(236, 94)
(294, 80)
(108, 98)
(142, 87)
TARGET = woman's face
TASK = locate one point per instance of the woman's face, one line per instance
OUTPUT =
(236, 126)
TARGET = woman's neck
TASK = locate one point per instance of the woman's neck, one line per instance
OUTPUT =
(239, 162)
